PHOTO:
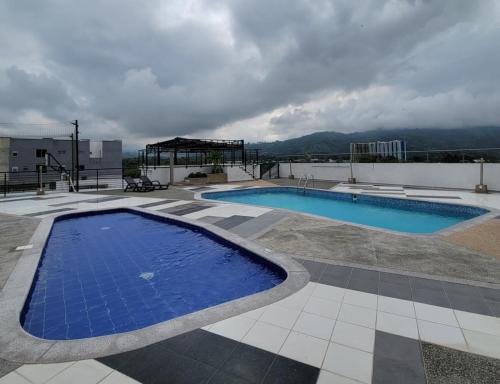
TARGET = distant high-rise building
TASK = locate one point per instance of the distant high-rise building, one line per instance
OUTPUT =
(383, 149)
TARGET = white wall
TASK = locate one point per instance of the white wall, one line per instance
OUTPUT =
(234, 173)
(162, 173)
(444, 175)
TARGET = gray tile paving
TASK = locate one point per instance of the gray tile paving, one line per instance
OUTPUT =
(470, 298)
(7, 366)
(232, 221)
(435, 196)
(50, 211)
(14, 231)
(156, 203)
(186, 209)
(259, 224)
(96, 200)
(313, 238)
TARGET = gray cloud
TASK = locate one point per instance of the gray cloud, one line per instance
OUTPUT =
(154, 69)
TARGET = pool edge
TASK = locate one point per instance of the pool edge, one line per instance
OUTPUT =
(19, 346)
(489, 214)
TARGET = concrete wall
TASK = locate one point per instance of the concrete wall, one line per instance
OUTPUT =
(162, 173)
(440, 175)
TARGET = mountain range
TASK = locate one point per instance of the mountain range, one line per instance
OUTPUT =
(416, 139)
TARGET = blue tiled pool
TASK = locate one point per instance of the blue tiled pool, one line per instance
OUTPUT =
(395, 214)
(106, 273)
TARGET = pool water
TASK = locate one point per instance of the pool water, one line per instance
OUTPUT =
(395, 214)
(107, 273)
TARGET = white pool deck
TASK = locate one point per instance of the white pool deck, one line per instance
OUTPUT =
(327, 327)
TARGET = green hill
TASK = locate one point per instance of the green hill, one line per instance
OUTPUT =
(417, 139)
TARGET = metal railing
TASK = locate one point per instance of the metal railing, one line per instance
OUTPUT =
(58, 181)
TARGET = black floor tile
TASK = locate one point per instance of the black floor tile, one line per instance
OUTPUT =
(315, 269)
(494, 307)
(394, 278)
(181, 370)
(339, 270)
(156, 203)
(182, 343)
(187, 209)
(287, 371)
(429, 292)
(232, 221)
(212, 349)
(431, 296)
(397, 360)
(336, 275)
(249, 363)
(226, 378)
(365, 274)
(490, 294)
(368, 286)
(418, 283)
(473, 303)
(398, 291)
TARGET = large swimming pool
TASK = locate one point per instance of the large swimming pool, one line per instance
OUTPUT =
(395, 214)
(107, 273)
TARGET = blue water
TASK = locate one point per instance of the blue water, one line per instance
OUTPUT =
(394, 214)
(116, 272)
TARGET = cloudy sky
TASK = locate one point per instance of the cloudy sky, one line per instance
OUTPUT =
(259, 69)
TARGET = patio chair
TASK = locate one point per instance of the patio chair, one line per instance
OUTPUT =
(146, 181)
(135, 186)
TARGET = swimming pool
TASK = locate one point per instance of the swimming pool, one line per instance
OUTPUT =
(111, 272)
(395, 214)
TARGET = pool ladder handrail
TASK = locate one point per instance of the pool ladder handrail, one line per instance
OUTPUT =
(306, 179)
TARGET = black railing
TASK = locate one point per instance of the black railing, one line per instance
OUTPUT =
(59, 181)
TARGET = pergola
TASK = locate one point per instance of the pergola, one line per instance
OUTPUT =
(195, 152)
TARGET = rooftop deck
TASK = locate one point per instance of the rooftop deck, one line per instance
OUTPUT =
(379, 307)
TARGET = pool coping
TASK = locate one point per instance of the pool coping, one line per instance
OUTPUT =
(491, 213)
(19, 346)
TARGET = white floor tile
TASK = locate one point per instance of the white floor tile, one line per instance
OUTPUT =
(326, 377)
(435, 314)
(478, 323)
(358, 315)
(13, 378)
(322, 307)
(349, 362)
(82, 372)
(296, 301)
(441, 334)
(255, 314)
(304, 348)
(354, 336)
(118, 378)
(314, 325)
(483, 343)
(40, 373)
(329, 292)
(234, 328)
(361, 299)
(397, 325)
(308, 289)
(280, 316)
(266, 336)
(396, 306)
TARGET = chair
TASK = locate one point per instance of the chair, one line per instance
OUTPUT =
(135, 186)
(155, 184)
